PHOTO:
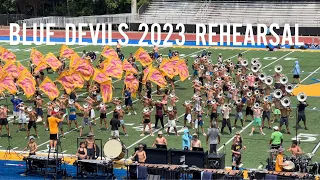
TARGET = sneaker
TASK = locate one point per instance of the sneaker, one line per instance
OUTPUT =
(47, 129)
(152, 134)
(204, 134)
(135, 113)
(126, 135)
(289, 133)
(63, 137)
(250, 134)
(18, 130)
(26, 137)
(38, 137)
(263, 134)
(129, 114)
(141, 134)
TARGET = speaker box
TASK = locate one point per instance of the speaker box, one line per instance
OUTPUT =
(192, 158)
(216, 161)
(155, 155)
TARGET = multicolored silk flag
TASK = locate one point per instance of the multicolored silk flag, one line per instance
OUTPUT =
(49, 88)
(70, 80)
(113, 67)
(128, 67)
(41, 66)
(52, 61)
(99, 77)
(7, 83)
(85, 68)
(156, 77)
(183, 70)
(7, 55)
(108, 52)
(169, 68)
(67, 52)
(132, 83)
(74, 60)
(28, 85)
(146, 72)
(11, 68)
(106, 91)
(143, 57)
(36, 57)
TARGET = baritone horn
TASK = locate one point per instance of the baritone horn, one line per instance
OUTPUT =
(254, 61)
(254, 68)
(249, 94)
(256, 84)
(268, 80)
(302, 97)
(277, 93)
(262, 76)
(201, 66)
(256, 92)
(278, 68)
(285, 102)
(289, 88)
(244, 63)
(284, 80)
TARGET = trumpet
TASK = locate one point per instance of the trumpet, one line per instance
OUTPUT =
(277, 93)
(244, 63)
(284, 80)
(249, 94)
(254, 61)
(278, 68)
(262, 76)
(254, 68)
(285, 101)
(289, 88)
(302, 97)
(256, 92)
(268, 80)
(256, 84)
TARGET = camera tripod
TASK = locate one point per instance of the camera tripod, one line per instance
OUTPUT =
(9, 150)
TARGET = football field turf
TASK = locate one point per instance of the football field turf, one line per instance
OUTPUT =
(257, 145)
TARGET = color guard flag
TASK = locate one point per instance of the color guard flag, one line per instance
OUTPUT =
(113, 67)
(28, 85)
(67, 52)
(146, 72)
(128, 67)
(106, 91)
(168, 68)
(11, 68)
(156, 77)
(52, 61)
(183, 70)
(99, 77)
(36, 57)
(74, 60)
(84, 67)
(7, 83)
(7, 55)
(70, 80)
(132, 83)
(41, 66)
(49, 88)
(108, 52)
(143, 57)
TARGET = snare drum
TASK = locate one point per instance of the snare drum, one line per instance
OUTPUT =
(114, 149)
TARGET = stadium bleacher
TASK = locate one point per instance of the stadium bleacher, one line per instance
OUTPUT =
(305, 14)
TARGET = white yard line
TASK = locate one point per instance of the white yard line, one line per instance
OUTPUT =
(123, 106)
(252, 121)
(316, 148)
(167, 123)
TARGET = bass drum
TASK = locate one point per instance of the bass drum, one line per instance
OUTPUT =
(114, 149)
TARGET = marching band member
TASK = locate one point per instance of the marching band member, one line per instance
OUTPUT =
(32, 121)
(115, 124)
(82, 151)
(172, 115)
(239, 106)
(279, 161)
(160, 140)
(72, 114)
(103, 115)
(159, 114)
(39, 101)
(146, 120)
(187, 115)
(121, 113)
(91, 146)
(86, 115)
(266, 111)
(296, 72)
(53, 128)
(249, 101)
(141, 154)
(295, 149)
(22, 116)
(128, 101)
(15, 101)
(199, 121)
(195, 142)
(32, 146)
(285, 113)
(226, 110)
(257, 114)
(3, 119)
(301, 113)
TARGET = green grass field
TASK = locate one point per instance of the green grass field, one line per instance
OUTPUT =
(257, 145)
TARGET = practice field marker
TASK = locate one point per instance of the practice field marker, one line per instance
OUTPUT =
(112, 111)
(303, 137)
(316, 148)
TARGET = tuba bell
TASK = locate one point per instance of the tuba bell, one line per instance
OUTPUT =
(268, 80)
(201, 66)
(265, 98)
(277, 93)
(256, 105)
(243, 78)
(256, 92)
(284, 80)
(249, 94)
(231, 64)
(278, 68)
(254, 68)
(238, 101)
(302, 97)
(259, 64)
(262, 76)
(229, 83)
(209, 61)
(245, 87)
(289, 88)
(254, 61)
(219, 95)
(256, 84)
(233, 87)
(244, 63)
(215, 69)
(285, 101)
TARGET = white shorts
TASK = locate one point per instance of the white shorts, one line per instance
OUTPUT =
(16, 113)
(22, 120)
(115, 133)
(122, 122)
(188, 118)
(92, 114)
(171, 123)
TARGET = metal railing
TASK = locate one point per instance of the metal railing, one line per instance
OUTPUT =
(60, 21)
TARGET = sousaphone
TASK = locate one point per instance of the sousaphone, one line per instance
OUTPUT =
(278, 68)
(277, 94)
(302, 97)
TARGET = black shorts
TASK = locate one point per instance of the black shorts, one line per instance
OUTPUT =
(32, 124)
(64, 111)
(128, 102)
(266, 114)
(53, 136)
(3, 121)
(249, 111)
(213, 116)
(284, 120)
(296, 76)
(146, 121)
(277, 85)
(103, 115)
(301, 117)
(275, 146)
(237, 160)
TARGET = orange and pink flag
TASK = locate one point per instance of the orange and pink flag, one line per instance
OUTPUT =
(49, 88)
(156, 77)
(52, 61)
(36, 57)
(143, 57)
(106, 91)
